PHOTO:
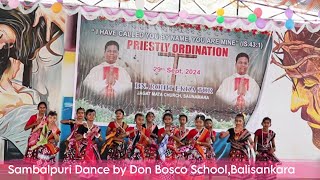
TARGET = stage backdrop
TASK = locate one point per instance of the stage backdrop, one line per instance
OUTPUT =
(186, 68)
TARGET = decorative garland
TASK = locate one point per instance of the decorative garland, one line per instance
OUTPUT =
(171, 19)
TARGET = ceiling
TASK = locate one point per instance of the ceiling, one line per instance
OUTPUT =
(305, 10)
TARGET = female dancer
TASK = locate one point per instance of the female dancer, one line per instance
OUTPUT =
(264, 145)
(150, 150)
(150, 126)
(86, 135)
(167, 136)
(72, 152)
(209, 126)
(197, 146)
(115, 146)
(35, 123)
(48, 142)
(183, 131)
(240, 141)
(198, 142)
(138, 139)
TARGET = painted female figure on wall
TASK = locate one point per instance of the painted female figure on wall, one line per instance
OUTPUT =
(31, 49)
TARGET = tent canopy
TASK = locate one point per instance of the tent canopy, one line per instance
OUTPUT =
(305, 10)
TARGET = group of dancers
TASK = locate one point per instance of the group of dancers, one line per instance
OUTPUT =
(145, 140)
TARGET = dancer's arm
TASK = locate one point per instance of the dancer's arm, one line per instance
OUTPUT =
(224, 134)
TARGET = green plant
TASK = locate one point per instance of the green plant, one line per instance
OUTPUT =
(106, 115)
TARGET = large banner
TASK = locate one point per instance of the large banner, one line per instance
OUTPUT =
(31, 53)
(186, 68)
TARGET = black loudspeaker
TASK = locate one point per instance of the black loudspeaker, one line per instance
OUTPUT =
(11, 152)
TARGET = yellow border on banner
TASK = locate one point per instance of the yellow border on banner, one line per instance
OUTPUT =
(314, 125)
(69, 57)
(69, 74)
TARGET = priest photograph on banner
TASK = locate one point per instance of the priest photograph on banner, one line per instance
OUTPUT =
(108, 78)
(239, 90)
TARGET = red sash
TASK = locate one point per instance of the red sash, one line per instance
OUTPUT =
(108, 72)
(240, 99)
(201, 138)
(237, 83)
